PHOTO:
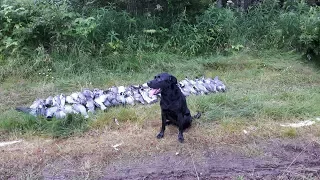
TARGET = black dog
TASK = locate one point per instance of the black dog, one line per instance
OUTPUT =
(173, 103)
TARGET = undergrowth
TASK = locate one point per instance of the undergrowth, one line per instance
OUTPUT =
(43, 34)
(260, 88)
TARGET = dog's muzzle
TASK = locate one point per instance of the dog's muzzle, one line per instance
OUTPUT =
(152, 90)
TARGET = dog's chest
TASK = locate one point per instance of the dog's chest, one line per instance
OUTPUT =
(170, 115)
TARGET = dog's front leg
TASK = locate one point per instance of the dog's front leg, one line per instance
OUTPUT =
(180, 123)
(163, 126)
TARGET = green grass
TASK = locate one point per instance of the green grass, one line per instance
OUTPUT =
(262, 86)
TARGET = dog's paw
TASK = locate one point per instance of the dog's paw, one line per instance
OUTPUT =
(160, 135)
(180, 139)
(168, 123)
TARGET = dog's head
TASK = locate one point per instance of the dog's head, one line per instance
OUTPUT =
(161, 82)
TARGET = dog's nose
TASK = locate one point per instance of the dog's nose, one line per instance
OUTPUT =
(148, 83)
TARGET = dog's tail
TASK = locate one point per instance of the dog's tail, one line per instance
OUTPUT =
(197, 116)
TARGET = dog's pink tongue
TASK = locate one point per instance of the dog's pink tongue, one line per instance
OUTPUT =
(153, 92)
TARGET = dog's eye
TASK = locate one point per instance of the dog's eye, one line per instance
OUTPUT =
(155, 77)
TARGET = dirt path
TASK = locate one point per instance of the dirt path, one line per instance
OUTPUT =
(277, 159)
(141, 156)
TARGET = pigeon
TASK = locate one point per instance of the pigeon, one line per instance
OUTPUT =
(87, 101)
(107, 103)
(68, 109)
(121, 90)
(201, 87)
(96, 93)
(129, 100)
(90, 105)
(88, 94)
(79, 108)
(62, 100)
(70, 100)
(100, 100)
(145, 96)
(82, 98)
(48, 101)
(56, 101)
(36, 103)
(50, 112)
(219, 84)
(121, 99)
(60, 114)
(114, 89)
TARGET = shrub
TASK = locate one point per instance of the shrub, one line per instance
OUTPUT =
(310, 31)
(212, 32)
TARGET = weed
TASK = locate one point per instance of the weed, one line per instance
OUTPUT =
(290, 132)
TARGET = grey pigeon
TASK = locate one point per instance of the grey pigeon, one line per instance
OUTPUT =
(121, 99)
(82, 98)
(184, 92)
(136, 95)
(114, 102)
(37, 103)
(114, 89)
(200, 85)
(34, 112)
(145, 96)
(219, 84)
(70, 100)
(48, 101)
(50, 112)
(60, 114)
(190, 81)
(212, 86)
(107, 103)
(68, 109)
(75, 96)
(88, 94)
(97, 92)
(79, 108)
(62, 100)
(90, 105)
(129, 100)
(100, 100)
(188, 88)
(56, 101)
(121, 90)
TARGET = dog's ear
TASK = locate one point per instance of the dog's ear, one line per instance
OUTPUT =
(173, 79)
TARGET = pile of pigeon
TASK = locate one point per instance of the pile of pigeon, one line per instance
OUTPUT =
(89, 101)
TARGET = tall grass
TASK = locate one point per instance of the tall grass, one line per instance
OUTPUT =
(260, 89)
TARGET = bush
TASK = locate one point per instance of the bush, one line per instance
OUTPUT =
(309, 38)
(258, 25)
(45, 24)
(61, 28)
(212, 32)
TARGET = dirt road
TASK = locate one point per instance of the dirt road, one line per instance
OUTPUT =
(139, 155)
(276, 159)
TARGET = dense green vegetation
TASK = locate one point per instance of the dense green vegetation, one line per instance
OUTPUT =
(46, 34)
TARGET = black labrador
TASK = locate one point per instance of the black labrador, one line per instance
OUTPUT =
(173, 103)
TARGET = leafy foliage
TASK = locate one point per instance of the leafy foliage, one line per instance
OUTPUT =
(85, 29)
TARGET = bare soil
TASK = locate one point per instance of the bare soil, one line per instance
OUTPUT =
(279, 159)
(141, 156)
